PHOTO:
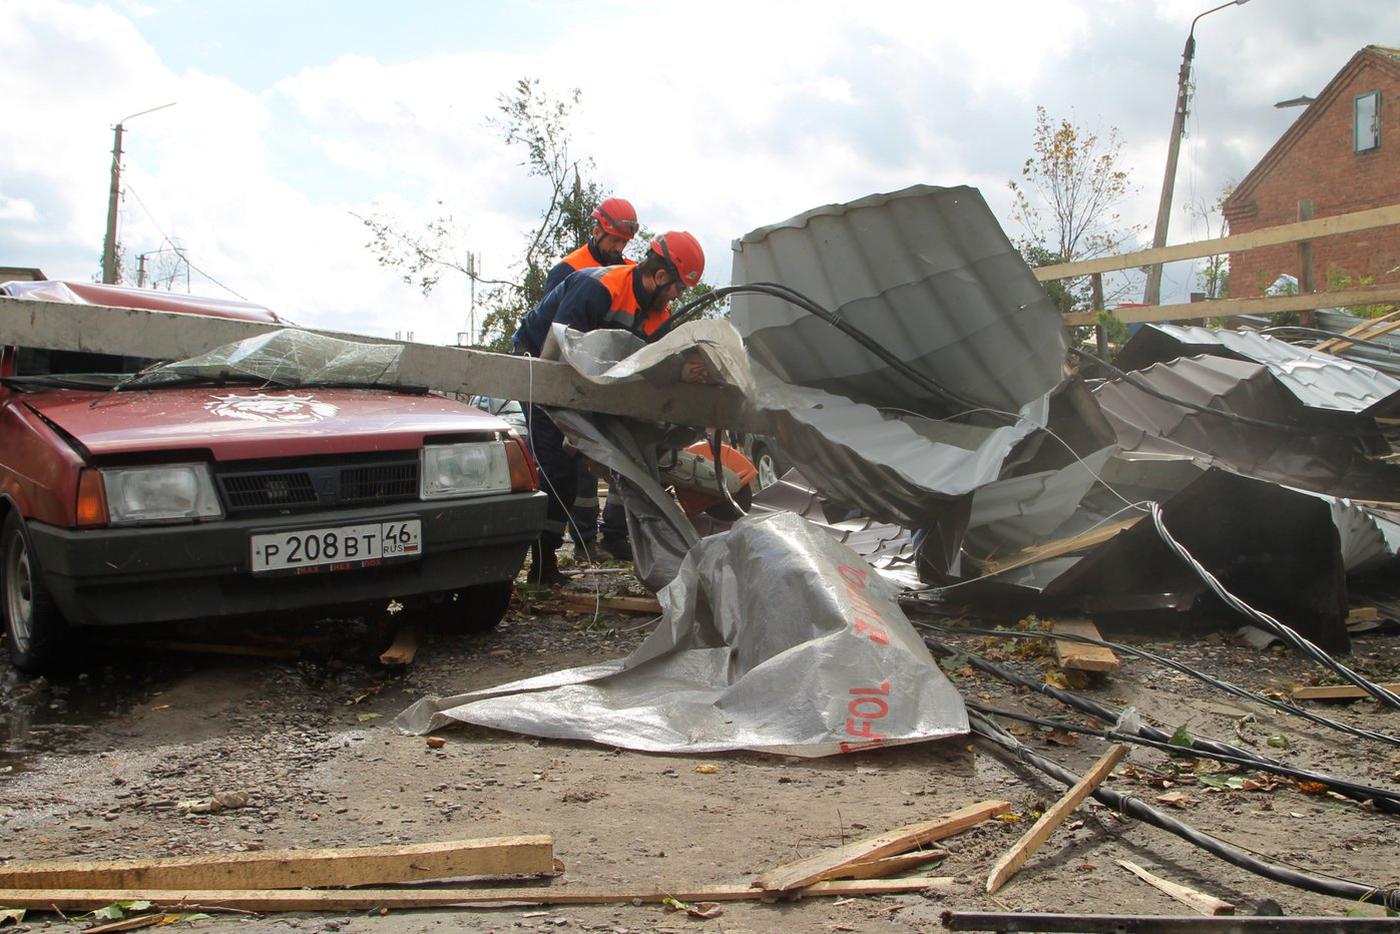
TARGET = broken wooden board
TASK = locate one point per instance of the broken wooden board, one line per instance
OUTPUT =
(368, 899)
(1080, 655)
(804, 872)
(1363, 614)
(1059, 547)
(1200, 901)
(169, 335)
(404, 647)
(646, 606)
(1054, 816)
(1338, 691)
(285, 869)
(887, 866)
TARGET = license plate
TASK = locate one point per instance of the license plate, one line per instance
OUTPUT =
(343, 548)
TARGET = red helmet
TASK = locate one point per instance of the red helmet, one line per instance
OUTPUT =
(683, 252)
(617, 217)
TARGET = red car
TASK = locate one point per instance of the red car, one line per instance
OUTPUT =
(197, 498)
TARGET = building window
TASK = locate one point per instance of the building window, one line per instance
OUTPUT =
(1366, 133)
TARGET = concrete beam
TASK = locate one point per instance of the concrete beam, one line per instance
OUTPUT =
(166, 335)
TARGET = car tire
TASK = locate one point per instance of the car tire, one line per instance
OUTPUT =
(769, 465)
(35, 631)
(473, 609)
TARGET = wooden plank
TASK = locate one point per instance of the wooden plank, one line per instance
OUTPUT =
(366, 899)
(1060, 546)
(168, 335)
(804, 872)
(1358, 331)
(1205, 904)
(1040, 831)
(1224, 308)
(404, 647)
(277, 869)
(1384, 329)
(1079, 655)
(887, 866)
(1338, 691)
(1269, 236)
(1363, 614)
(647, 606)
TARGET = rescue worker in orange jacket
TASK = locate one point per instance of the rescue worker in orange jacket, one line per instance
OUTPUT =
(614, 226)
(633, 298)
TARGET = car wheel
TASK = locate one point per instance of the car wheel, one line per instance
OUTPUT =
(473, 609)
(34, 628)
(767, 464)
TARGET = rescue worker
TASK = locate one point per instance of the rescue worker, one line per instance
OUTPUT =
(633, 298)
(614, 225)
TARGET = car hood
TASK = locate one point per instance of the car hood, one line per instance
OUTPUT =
(240, 423)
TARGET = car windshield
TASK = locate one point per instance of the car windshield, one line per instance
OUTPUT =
(286, 357)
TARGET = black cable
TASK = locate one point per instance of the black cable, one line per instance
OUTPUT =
(1108, 715)
(1004, 745)
(774, 290)
(1226, 686)
(1388, 801)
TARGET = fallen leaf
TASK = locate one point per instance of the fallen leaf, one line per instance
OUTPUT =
(1312, 788)
(1173, 798)
(1182, 737)
(709, 768)
(1278, 742)
(1062, 738)
(705, 910)
(366, 717)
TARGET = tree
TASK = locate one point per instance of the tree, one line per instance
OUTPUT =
(538, 122)
(1069, 197)
(1214, 276)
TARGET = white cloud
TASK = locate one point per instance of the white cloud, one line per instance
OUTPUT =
(716, 123)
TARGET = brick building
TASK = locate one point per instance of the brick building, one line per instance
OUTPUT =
(1342, 155)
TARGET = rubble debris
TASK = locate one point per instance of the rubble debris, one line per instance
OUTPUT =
(280, 869)
(273, 900)
(1023, 849)
(646, 606)
(1205, 904)
(776, 638)
(404, 647)
(829, 864)
(1082, 656)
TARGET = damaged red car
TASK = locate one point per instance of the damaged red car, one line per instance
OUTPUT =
(135, 493)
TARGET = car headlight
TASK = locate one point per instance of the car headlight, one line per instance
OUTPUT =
(464, 469)
(165, 493)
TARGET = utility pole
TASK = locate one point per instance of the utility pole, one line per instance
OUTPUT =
(141, 271)
(110, 273)
(1152, 293)
(109, 245)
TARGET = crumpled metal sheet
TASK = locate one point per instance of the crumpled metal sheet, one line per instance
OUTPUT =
(1315, 456)
(776, 638)
(1318, 380)
(925, 271)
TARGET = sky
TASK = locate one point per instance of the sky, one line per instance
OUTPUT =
(292, 118)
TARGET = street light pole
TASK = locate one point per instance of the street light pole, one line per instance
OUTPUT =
(1152, 294)
(109, 244)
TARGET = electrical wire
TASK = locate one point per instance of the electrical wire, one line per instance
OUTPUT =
(1005, 745)
(1226, 686)
(1388, 801)
(1109, 715)
(1283, 631)
(180, 251)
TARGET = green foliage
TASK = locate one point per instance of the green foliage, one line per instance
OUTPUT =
(1338, 278)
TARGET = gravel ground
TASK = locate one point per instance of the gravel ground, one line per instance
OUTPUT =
(103, 764)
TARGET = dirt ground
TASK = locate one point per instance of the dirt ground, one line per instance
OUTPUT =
(95, 765)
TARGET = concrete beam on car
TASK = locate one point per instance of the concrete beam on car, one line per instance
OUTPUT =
(176, 336)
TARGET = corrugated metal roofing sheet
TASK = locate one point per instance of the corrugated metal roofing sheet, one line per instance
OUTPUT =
(928, 273)
(1319, 380)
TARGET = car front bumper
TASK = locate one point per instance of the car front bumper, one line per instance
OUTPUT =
(118, 576)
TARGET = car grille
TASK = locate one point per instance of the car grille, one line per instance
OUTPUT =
(314, 487)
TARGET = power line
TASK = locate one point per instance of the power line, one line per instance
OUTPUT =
(179, 251)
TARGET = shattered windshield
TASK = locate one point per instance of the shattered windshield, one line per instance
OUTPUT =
(288, 357)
